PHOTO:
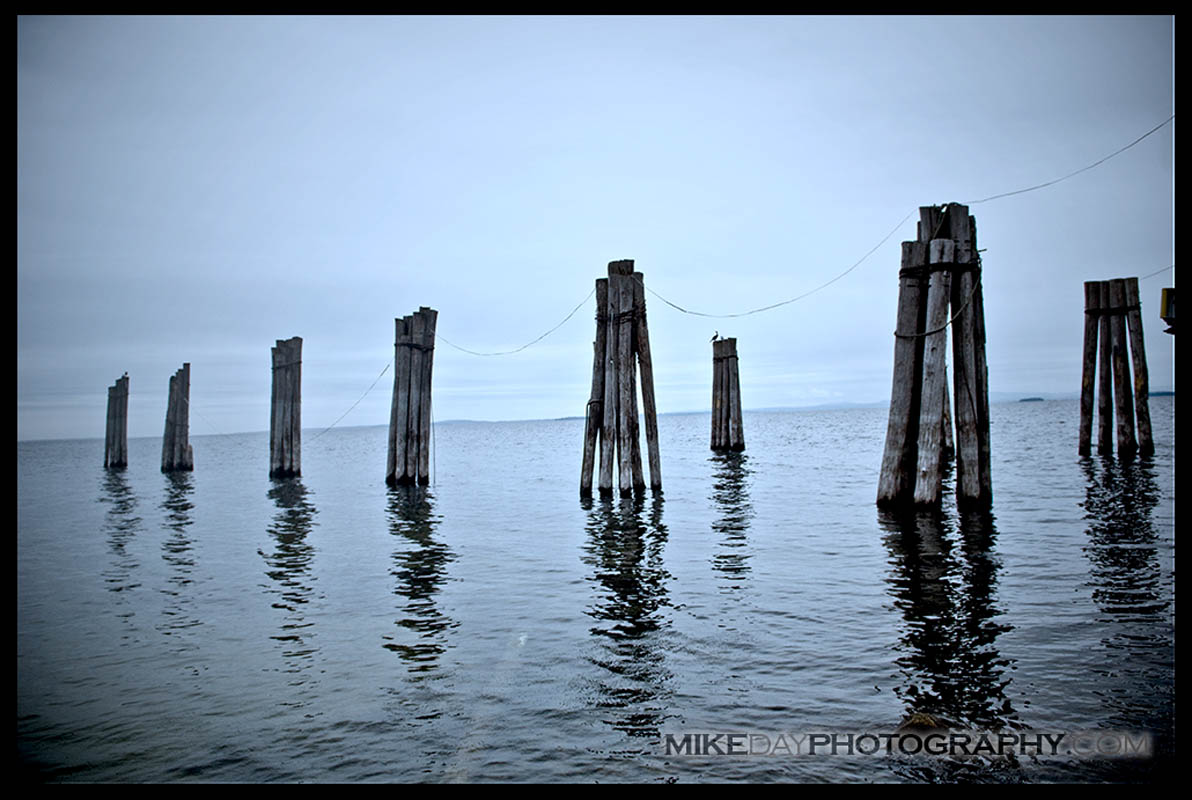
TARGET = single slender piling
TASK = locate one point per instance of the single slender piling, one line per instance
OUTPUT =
(1092, 312)
(1123, 393)
(408, 458)
(1105, 384)
(176, 451)
(646, 363)
(115, 448)
(594, 414)
(285, 426)
(1142, 390)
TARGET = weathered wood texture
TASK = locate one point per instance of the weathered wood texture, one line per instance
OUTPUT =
(1123, 390)
(622, 342)
(1105, 381)
(115, 448)
(940, 289)
(928, 474)
(727, 429)
(176, 451)
(897, 480)
(646, 363)
(285, 421)
(1088, 373)
(1142, 385)
(594, 414)
(409, 442)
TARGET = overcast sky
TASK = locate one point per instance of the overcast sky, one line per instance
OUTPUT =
(191, 189)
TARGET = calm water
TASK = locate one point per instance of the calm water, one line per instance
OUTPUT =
(221, 626)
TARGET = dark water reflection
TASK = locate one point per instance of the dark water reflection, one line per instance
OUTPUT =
(290, 568)
(420, 567)
(177, 550)
(730, 499)
(943, 578)
(624, 549)
(1126, 578)
(121, 524)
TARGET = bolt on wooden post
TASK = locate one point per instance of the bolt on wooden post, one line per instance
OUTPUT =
(727, 430)
(176, 451)
(1112, 311)
(408, 460)
(285, 421)
(611, 418)
(939, 288)
(115, 445)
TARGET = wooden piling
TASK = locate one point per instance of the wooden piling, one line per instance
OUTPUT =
(594, 414)
(1105, 382)
(1142, 391)
(177, 454)
(115, 449)
(409, 440)
(929, 478)
(1123, 390)
(285, 427)
(727, 431)
(622, 341)
(646, 363)
(897, 480)
(940, 270)
(1088, 374)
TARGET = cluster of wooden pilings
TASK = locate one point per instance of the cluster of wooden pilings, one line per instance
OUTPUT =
(941, 268)
(176, 451)
(727, 431)
(115, 445)
(622, 344)
(285, 420)
(409, 414)
(1110, 309)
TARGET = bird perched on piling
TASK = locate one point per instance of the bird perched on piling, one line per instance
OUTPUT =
(715, 335)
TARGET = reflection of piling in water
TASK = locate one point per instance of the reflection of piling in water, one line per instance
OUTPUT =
(420, 567)
(290, 562)
(946, 591)
(115, 446)
(730, 497)
(121, 524)
(176, 451)
(624, 551)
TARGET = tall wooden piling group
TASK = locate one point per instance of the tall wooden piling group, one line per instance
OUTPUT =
(115, 445)
(1110, 309)
(176, 451)
(939, 288)
(727, 431)
(409, 414)
(285, 421)
(622, 345)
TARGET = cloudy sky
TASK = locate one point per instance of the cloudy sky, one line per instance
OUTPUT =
(191, 189)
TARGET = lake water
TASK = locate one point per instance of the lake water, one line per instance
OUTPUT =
(221, 626)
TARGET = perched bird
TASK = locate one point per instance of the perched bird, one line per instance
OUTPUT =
(715, 335)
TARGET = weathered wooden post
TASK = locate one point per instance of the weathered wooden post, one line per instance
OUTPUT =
(176, 451)
(622, 342)
(1092, 313)
(1142, 383)
(1105, 383)
(285, 422)
(408, 460)
(1115, 303)
(940, 269)
(727, 430)
(115, 446)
